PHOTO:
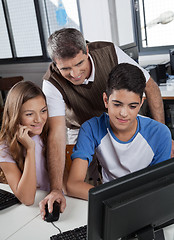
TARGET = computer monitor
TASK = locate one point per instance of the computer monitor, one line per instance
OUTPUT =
(131, 50)
(140, 202)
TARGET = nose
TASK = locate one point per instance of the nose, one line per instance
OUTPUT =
(37, 118)
(123, 112)
(74, 72)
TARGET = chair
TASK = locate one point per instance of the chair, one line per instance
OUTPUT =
(7, 83)
(69, 150)
(68, 161)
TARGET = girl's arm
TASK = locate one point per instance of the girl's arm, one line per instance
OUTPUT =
(23, 184)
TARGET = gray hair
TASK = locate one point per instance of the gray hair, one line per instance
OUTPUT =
(66, 43)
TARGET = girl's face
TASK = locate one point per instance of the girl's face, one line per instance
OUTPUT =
(34, 115)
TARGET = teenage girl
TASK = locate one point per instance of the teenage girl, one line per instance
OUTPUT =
(23, 138)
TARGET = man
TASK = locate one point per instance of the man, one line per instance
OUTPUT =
(124, 142)
(73, 85)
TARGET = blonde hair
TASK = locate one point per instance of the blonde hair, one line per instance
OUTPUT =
(17, 96)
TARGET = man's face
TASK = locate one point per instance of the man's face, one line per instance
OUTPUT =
(123, 107)
(76, 69)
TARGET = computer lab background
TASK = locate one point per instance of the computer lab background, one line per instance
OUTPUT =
(105, 20)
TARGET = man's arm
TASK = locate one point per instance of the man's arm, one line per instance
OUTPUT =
(76, 185)
(152, 90)
(56, 151)
(56, 162)
(154, 100)
(155, 103)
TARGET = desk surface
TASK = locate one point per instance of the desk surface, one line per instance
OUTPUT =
(165, 93)
(24, 222)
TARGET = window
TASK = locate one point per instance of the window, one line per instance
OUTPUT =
(5, 51)
(24, 28)
(60, 14)
(27, 24)
(155, 24)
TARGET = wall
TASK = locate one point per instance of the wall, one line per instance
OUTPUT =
(30, 71)
(124, 22)
(96, 26)
(95, 20)
(107, 20)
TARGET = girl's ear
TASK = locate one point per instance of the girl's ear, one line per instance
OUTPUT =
(105, 100)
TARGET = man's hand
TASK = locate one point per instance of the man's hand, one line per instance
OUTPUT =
(172, 152)
(55, 195)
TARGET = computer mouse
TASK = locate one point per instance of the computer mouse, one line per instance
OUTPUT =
(54, 215)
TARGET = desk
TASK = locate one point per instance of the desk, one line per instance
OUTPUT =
(166, 94)
(24, 222)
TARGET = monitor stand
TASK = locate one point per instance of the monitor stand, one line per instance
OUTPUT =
(148, 233)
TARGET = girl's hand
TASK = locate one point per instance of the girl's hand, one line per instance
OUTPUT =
(24, 138)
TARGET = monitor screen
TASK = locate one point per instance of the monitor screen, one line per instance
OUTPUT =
(132, 204)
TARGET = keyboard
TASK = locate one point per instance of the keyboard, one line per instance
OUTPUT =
(7, 199)
(77, 234)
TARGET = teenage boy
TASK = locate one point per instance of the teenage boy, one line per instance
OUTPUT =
(123, 140)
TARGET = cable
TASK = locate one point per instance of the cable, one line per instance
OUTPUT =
(56, 227)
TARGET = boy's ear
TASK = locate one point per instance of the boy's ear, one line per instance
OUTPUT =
(142, 101)
(105, 100)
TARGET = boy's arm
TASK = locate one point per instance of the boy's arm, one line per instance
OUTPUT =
(76, 185)
(163, 145)
(156, 104)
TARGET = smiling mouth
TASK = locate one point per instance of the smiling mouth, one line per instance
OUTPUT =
(76, 78)
(36, 126)
(122, 120)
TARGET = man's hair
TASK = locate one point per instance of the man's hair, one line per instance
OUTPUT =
(66, 43)
(126, 76)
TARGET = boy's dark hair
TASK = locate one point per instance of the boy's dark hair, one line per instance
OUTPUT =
(126, 76)
(66, 43)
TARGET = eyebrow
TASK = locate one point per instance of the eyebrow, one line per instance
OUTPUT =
(79, 62)
(65, 68)
(135, 103)
(28, 110)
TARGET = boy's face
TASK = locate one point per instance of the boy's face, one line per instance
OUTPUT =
(123, 107)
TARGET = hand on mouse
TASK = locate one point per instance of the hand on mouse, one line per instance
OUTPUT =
(54, 195)
(54, 215)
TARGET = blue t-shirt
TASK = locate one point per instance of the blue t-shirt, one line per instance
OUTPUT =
(150, 144)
